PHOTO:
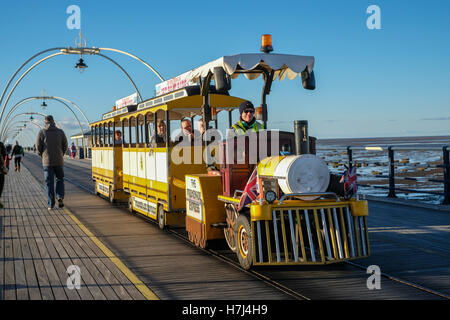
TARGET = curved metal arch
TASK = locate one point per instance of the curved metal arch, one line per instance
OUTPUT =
(126, 73)
(23, 114)
(73, 103)
(21, 67)
(34, 98)
(16, 133)
(79, 109)
(2, 127)
(67, 51)
(137, 58)
(21, 77)
(27, 132)
(17, 105)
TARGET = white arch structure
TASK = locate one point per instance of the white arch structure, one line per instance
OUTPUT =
(59, 99)
(78, 51)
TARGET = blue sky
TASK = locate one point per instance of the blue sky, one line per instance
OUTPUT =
(370, 83)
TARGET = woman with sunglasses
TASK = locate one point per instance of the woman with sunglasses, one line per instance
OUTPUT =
(247, 121)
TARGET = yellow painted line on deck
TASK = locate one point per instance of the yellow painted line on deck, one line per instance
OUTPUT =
(146, 292)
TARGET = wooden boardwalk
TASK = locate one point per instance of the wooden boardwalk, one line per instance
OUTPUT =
(37, 246)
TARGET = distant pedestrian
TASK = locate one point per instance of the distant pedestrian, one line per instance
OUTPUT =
(3, 170)
(17, 153)
(73, 150)
(6, 161)
(51, 144)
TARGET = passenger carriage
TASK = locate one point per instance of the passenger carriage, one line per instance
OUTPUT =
(107, 169)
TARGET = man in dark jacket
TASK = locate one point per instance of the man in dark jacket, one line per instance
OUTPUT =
(51, 144)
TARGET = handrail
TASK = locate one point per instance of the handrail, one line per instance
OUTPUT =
(392, 188)
(381, 148)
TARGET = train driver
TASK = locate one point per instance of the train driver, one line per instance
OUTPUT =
(247, 121)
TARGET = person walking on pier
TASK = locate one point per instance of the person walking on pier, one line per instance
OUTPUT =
(52, 144)
(73, 151)
(17, 153)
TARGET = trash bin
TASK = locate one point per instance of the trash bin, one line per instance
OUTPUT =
(81, 153)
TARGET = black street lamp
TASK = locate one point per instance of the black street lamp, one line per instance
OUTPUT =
(81, 65)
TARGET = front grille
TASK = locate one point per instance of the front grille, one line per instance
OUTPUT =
(310, 236)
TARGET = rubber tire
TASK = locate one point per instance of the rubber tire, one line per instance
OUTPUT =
(161, 217)
(243, 229)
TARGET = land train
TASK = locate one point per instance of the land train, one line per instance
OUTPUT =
(292, 214)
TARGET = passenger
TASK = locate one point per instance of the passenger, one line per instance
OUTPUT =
(247, 121)
(7, 157)
(118, 137)
(201, 126)
(73, 150)
(160, 136)
(51, 144)
(187, 134)
(17, 153)
(3, 170)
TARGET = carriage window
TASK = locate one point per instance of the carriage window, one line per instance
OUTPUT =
(92, 136)
(132, 129)
(97, 136)
(141, 130)
(149, 128)
(110, 134)
(125, 132)
(107, 127)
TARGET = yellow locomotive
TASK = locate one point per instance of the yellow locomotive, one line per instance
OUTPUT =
(265, 193)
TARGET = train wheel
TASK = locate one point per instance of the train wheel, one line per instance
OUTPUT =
(161, 217)
(130, 205)
(243, 236)
(111, 195)
(229, 230)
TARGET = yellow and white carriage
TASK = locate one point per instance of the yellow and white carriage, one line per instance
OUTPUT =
(107, 163)
(299, 213)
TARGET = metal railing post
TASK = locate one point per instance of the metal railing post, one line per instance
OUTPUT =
(350, 156)
(391, 193)
(446, 163)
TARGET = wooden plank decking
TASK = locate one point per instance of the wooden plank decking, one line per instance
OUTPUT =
(37, 246)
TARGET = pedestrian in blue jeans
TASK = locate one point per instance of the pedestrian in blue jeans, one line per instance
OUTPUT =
(51, 145)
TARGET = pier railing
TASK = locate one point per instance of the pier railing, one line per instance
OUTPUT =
(393, 163)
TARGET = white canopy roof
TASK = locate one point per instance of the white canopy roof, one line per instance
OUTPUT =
(282, 64)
